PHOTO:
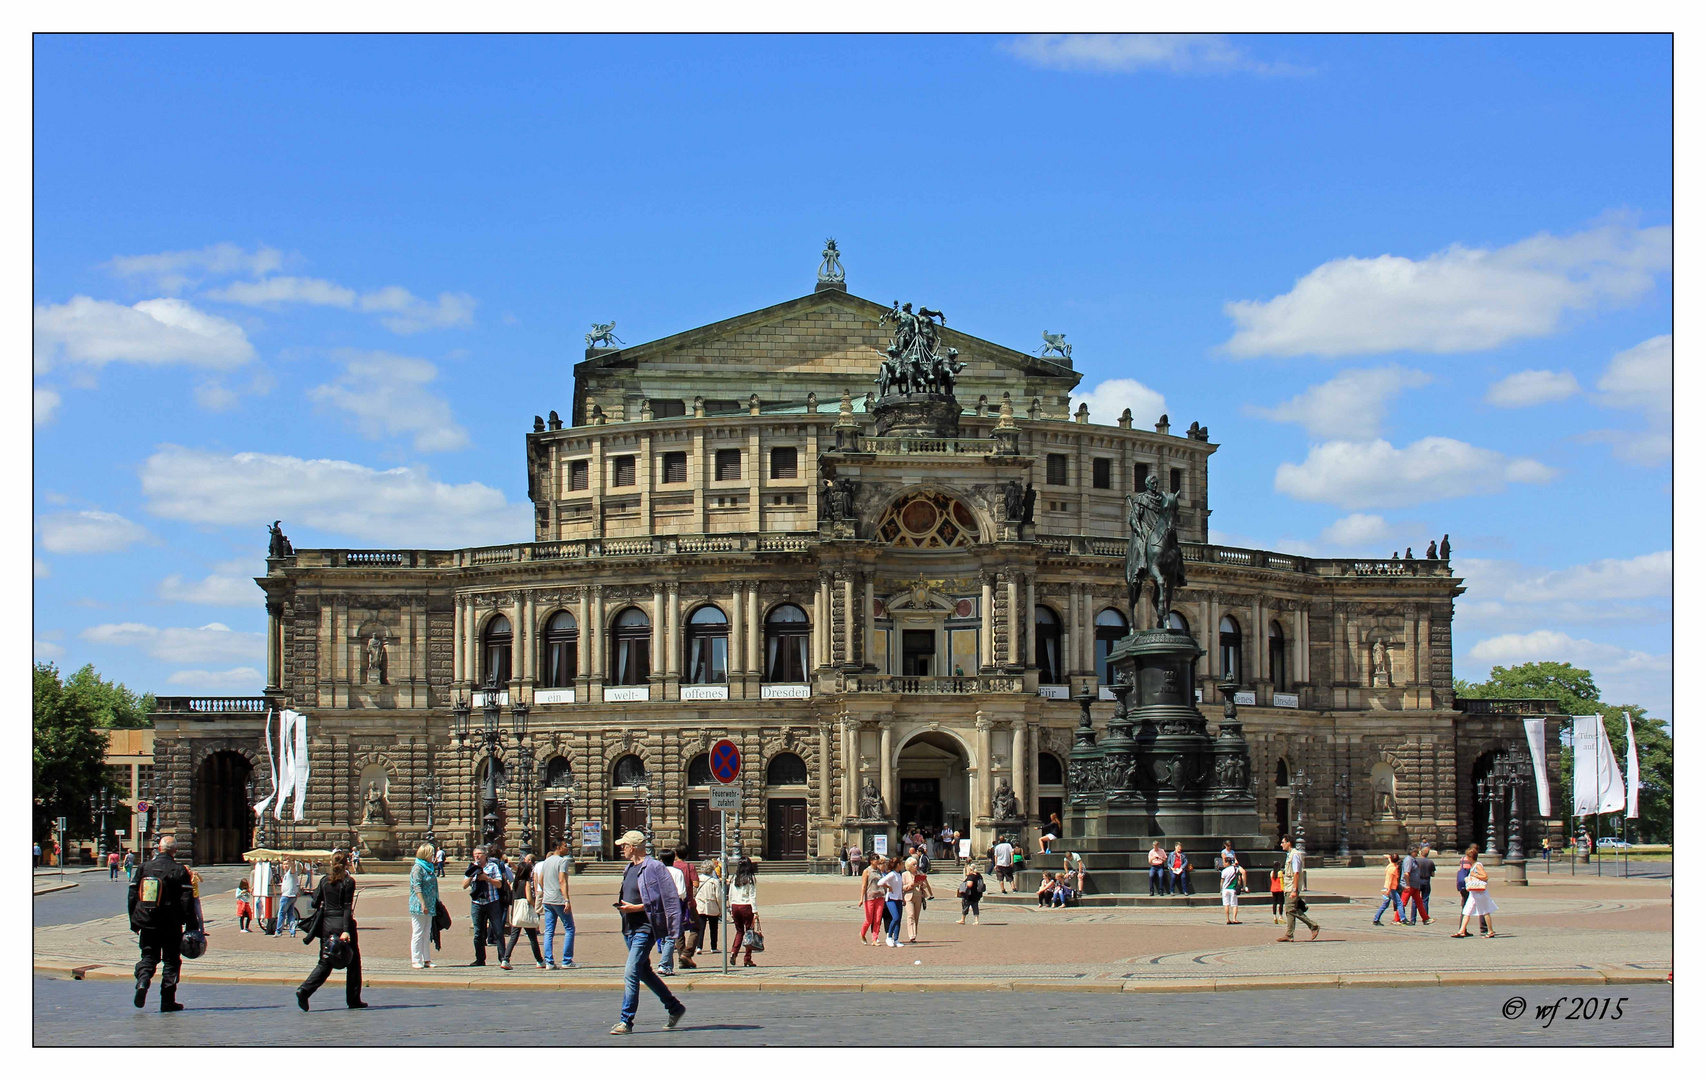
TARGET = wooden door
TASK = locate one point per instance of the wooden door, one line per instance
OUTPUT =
(556, 823)
(785, 838)
(704, 829)
(628, 814)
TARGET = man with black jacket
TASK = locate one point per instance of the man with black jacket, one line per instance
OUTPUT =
(161, 901)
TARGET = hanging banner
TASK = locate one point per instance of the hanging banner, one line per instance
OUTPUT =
(266, 740)
(286, 766)
(1634, 808)
(1599, 782)
(300, 778)
(1536, 729)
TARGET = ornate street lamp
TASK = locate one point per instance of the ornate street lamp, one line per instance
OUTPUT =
(518, 725)
(100, 808)
(431, 790)
(1301, 783)
(1343, 790)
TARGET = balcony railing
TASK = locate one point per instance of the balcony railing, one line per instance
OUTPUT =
(925, 684)
(908, 445)
(1115, 547)
(212, 704)
(1507, 706)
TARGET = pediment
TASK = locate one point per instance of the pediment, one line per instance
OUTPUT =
(919, 598)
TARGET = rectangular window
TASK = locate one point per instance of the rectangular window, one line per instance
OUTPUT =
(622, 471)
(579, 475)
(1102, 473)
(1057, 469)
(728, 465)
(666, 407)
(1176, 479)
(784, 463)
(1139, 475)
(675, 467)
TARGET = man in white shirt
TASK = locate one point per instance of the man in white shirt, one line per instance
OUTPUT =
(1003, 863)
(666, 945)
(285, 926)
(554, 890)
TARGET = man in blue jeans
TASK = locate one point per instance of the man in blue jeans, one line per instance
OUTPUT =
(554, 888)
(484, 882)
(651, 912)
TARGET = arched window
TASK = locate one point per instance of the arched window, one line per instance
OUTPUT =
(708, 645)
(1110, 627)
(1276, 656)
(562, 641)
(1282, 775)
(1048, 647)
(1231, 650)
(699, 771)
(1049, 770)
(495, 644)
(557, 773)
(631, 648)
(786, 658)
(630, 771)
(785, 769)
(1176, 621)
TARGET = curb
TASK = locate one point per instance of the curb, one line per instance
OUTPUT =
(55, 888)
(1228, 984)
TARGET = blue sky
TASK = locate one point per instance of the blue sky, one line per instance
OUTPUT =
(1413, 285)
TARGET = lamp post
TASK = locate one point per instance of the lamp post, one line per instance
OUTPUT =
(524, 769)
(101, 808)
(1343, 790)
(430, 790)
(1301, 782)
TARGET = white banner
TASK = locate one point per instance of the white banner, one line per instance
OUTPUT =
(261, 807)
(301, 777)
(1536, 730)
(1599, 782)
(1634, 809)
(286, 766)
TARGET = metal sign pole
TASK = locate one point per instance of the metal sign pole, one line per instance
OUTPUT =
(723, 886)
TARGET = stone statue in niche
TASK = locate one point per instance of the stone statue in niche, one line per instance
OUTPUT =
(1030, 514)
(373, 660)
(373, 810)
(1382, 663)
(1013, 500)
(870, 801)
(1003, 803)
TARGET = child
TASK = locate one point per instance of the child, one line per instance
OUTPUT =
(245, 907)
(970, 892)
(1276, 887)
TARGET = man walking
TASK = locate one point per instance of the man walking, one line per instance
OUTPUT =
(554, 887)
(1157, 870)
(651, 911)
(483, 880)
(161, 901)
(289, 890)
(1003, 863)
(1294, 892)
(1421, 884)
(689, 912)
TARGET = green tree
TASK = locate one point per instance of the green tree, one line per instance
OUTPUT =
(1653, 753)
(68, 749)
(111, 705)
(1572, 687)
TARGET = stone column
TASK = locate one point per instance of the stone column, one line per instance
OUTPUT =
(851, 647)
(1073, 646)
(1424, 662)
(672, 605)
(456, 624)
(869, 618)
(887, 744)
(1410, 642)
(986, 624)
(737, 626)
(595, 634)
(825, 771)
(527, 636)
(274, 668)
(1211, 636)
(1030, 620)
(471, 642)
(659, 639)
(1015, 619)
(821, 638)
(1031, 805)
(982, 808)
(1020, 762)
(754, 631)
(849, 768)
(584, 668)
(1300, 642)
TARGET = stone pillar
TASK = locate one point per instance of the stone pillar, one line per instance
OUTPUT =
(585, 642)
(274, 668)
(1300, 642)
(887, 744)
(1073, 646)
(984, 773)
(850, 651)
(825, 771)
(737, 627)
(821, 638)
(1410, 643)
(986, 624)
(471, 642)
(754, 631)
(1015, 619)
(595, 634)
(1211, 637)
(1030, 804)
(527, 635)
(1424, 662)
(1020, 761)
(849, 767)
(659, 639)
(1030, 616)
(672, 630)
(869, 618)
(456, 624)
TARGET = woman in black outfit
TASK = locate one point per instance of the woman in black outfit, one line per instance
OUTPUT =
(525, 887)
(334, 901)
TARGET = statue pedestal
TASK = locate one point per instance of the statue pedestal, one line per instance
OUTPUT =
(868, 829)
(1516, 871)
(380, 841)
(919, 415)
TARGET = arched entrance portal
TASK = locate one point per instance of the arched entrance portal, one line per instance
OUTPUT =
(223, 828)
(934, 778)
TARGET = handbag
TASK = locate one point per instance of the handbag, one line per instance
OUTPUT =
(522, 915)
(754, 939)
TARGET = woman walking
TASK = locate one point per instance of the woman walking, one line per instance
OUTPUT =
(1389, 893)
(872, 892)
(918, 890)
(970, 892)
(423, 903)
(1276, 889)
(527, 904)
(1463, 868)
(1479, 902)
(340, 946)
(708, 901)
(894, 888)
(743, 906)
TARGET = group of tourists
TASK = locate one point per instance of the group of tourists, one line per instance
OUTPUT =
(893, 893)
(1409, 885)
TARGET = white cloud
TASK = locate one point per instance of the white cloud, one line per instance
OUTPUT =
(1370, 474)
(1357, 530)
(400, 310)
(171, 271)
(1110, 398)
(1640, 378)
(1505, 595)
(387, 394)
(215, 590)
(165, 331)
(1457, 300)
(1624, 676)
(1181, 54)
(46, 650)
(1525, 388)
(1350, 405)
(1643, 575)
(398, 506)
(41, 569)
(46, 403)
(238, 678)
(213, 643)
(88, 532)
(216, 397)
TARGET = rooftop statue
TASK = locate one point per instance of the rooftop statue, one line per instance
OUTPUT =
(603, 336)
(830, 269)
(1056, 343)
(915, 365)
(1152, 551)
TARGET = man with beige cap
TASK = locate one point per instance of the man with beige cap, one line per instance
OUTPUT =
(651, 912)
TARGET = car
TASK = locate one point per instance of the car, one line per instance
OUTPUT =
(1612, 842)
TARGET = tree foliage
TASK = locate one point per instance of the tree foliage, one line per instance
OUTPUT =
(68, 745)
(1578, 695)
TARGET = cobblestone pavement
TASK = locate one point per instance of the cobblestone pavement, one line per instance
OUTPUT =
(69, 1013)
(1584, 925)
